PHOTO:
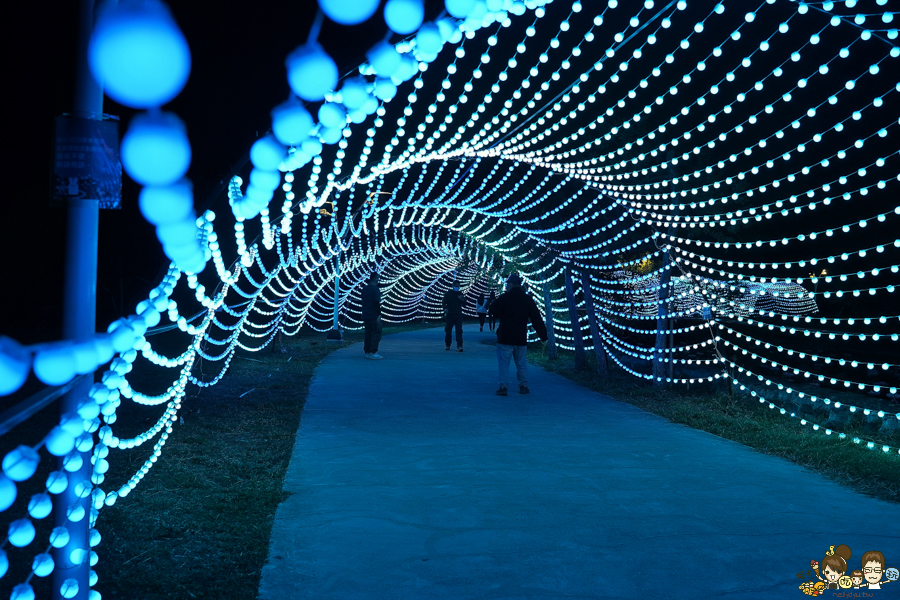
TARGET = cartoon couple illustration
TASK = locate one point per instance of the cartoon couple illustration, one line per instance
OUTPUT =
(834, 570)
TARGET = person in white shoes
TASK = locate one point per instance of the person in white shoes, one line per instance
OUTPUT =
(515, 309)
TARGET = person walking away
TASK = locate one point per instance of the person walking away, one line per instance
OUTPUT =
(371, 314)
(481, 309)
(453, 303)
(515, 309)
(492, 320)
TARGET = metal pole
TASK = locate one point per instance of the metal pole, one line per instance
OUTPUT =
(663, 324)
(662, 370)
(548, 319)
(337, 288)
(79, 323)
(335, 334)
(599, 350)
(577, 338)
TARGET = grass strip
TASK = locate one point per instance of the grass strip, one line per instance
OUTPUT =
(747, 421)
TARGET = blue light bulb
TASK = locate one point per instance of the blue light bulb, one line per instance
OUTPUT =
(332, 135)
(7, 493)
(357, 116)
(176, 234)
(291, 123)
(384, 58)
(21, 532)
(312, 147)
(267, 153)
(57, 482)
(332, 114)
(429, 39)
(265, 180)
(138, 54)
(55, 365)
(385, 89)
(155, 149)
(167, 204)
(404, 16)
(40, 506)
(311, 72)
(15, 364)
(59, 442)
(349, 13)
(42, 565)
(460, 8)
(23, 591)
(354, 93)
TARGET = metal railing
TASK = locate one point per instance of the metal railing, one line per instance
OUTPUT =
(28, 407)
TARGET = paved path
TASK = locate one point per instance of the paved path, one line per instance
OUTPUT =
(411, 480)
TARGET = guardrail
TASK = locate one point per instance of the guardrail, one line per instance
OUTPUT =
(28, 407)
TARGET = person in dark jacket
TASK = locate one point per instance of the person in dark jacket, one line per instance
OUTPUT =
(492, 320)
(371, 314)
(453, 303)
(515, 309)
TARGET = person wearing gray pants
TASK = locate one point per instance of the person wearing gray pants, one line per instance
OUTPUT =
(515, 309)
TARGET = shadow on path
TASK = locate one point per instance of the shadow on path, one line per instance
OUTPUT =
(411, 480)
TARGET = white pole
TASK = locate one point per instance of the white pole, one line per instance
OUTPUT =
(79, 323)
(335, 334)
(337, 289)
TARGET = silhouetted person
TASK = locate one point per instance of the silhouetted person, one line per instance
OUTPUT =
(492, 320)
(453, 303)
(481, 309)
(371, 314)
(515, 309)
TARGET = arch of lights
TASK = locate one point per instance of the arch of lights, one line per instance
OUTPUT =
(723, 173)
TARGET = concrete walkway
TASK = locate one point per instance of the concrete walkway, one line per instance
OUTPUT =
(411, 480)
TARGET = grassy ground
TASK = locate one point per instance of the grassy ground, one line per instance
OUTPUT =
(748, 422)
